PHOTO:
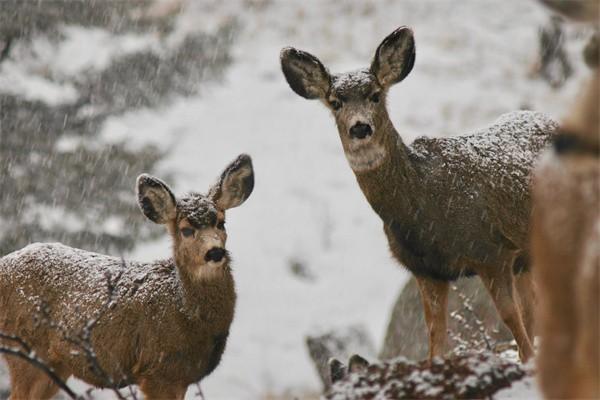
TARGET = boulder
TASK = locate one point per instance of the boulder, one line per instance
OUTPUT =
(407, 335)
(340, 344)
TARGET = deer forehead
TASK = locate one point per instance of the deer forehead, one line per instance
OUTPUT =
(198, 210)
(353, 85)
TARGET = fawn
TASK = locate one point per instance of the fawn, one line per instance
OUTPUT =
(168, 325)
(450, 207)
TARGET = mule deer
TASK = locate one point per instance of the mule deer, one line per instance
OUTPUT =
(566, 236)
(450, 207)
(170, 322)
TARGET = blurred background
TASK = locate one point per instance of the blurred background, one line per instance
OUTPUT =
(93, 93)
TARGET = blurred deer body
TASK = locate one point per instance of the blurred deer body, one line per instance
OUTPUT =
(451, 207)
(166, 324)
(566, 236)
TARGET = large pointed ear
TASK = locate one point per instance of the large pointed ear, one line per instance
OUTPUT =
(235, 183)
(395, 57)
(155, 199)
(304, 73)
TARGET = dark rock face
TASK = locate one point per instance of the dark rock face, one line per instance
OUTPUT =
(407, 335)
(465, 376)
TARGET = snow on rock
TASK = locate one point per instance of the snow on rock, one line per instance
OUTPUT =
(465, 376)
(340, 344)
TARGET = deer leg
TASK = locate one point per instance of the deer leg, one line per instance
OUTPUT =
(502, 289)
(525, 289)
(434, 295)
(29, 382)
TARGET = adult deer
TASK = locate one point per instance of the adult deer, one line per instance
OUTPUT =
(450, 207)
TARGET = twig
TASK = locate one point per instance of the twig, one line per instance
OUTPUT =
(82, 340)
(457, 314)
(35, 361)
(16, 339)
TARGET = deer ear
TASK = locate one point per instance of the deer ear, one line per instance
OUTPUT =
(395, 57)
(155, 199)
(305, 74)
(235, 183)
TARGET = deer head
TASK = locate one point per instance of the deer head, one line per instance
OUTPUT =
(196, 221)
(356, 99)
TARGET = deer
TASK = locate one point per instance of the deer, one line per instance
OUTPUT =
(565, 239)
(451, 206)
(168, 325)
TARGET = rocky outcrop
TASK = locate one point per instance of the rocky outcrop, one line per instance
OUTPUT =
(407, 336)
(465, 376)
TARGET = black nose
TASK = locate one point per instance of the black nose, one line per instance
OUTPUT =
(215, 254)
(360, 130)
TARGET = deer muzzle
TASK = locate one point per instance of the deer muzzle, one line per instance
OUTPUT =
(360, 130)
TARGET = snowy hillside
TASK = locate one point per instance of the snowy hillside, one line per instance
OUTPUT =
(307, 213)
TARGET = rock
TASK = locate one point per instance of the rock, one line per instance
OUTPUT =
(340, 344)
(468, 375)
(407, 336)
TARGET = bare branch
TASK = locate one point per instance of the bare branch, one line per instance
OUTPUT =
(82, 340)
(35, 361)
(16, 339)
(459, 316)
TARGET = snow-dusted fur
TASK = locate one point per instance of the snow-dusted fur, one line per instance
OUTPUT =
(165, 324)
(451, 207)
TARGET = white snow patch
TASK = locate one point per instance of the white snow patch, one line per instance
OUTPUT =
(15, 80)
(95, 48)
(526, 388)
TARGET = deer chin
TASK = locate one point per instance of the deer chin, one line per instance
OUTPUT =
(367, 157)
(209, 270)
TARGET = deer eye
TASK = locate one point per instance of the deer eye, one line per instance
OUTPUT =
(335, 104)
(375, 97)
(221, 225)
(187, 232)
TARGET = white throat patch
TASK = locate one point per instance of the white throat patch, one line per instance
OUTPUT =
(366, 158)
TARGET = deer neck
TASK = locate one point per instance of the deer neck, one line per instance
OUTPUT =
(208, 296)
(391, 186)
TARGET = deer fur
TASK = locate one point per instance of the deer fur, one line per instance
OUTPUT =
(566, 237)
(451, 207)
(168, 324)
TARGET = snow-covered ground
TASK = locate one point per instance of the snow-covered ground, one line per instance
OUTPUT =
(471, 66)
